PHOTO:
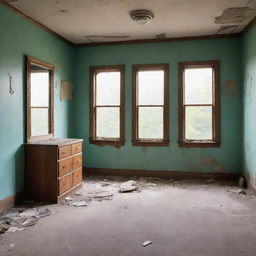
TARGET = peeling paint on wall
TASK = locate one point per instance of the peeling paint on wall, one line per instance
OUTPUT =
(209, 160)
(66, 90)
(231, 89)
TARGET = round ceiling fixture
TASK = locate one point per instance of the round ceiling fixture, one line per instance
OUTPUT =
(142, 16)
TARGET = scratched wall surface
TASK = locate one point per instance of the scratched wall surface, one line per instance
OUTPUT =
(226, 158)
(249, 105)
(19, 38)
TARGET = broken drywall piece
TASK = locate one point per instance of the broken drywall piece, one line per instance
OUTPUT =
(238, 191)
(146, 243)
(28, 213)
(79, 204)
(235, 15)
(102, 195)
(104, 184)
(36, 212)
(30, 221)
(252, 4)
(128, 186)
(152, 184)
(66, 90)
(14, 229)
(226, 29)
(42, 212)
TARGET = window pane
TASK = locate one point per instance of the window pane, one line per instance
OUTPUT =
(108, 88)
(39, 121)
(198, 123)
(40, 89)
(198, 86)
(151, 87)
(108, 122)
(150, 123)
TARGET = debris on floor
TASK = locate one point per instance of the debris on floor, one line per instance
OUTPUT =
(210, 180)
(238, 191)
(241, 182)
(146, 243)
(79, 204)
(16, 219)
(128, 186)
(14, 229)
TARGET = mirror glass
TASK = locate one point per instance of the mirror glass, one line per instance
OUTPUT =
(39, 80)
(39, 99)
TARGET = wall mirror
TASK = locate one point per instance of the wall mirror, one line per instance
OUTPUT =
(40, 100)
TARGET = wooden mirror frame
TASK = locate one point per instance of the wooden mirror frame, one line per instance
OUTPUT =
(50, 135)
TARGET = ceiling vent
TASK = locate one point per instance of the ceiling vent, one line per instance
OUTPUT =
(142, 16)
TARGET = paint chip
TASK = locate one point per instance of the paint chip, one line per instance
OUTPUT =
(226, 29)
(235, 15)
(66, 89)
(163, 35)
(146, 243)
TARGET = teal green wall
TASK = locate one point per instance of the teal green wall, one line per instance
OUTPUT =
(226, 158)
(249, 105)
(18, 38)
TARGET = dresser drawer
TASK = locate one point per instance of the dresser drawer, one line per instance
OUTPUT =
(77, 162)
(76, 148)
(64, 166)
(77, 176)
(64, 152)
(65, 183)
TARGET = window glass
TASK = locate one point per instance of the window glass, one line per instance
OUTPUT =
(39, 121)
(108, 122)
(108, 88)
(198, 122)
(151, 123)
(151, 87)
(40, 89)
(198, 86)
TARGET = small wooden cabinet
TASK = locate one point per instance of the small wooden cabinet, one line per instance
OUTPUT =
(53, 169)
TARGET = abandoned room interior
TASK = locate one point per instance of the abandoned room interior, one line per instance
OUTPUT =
(127, 127)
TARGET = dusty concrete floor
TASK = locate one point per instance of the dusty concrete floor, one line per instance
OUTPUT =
(181, 218)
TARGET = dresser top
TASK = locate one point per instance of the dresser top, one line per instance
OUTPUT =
(56, 142)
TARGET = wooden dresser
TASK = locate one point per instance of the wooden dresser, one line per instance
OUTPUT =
(53, 169)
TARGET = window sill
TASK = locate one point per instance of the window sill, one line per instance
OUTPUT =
(199, 144)
(151, 143)
(107, 142)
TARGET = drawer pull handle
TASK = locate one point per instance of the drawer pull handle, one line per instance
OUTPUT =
(63, 152)
(63, 167)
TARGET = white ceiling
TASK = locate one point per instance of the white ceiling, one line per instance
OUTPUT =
(75, 20)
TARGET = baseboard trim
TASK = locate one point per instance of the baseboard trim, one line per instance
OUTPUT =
(161, 174)
(11, 201)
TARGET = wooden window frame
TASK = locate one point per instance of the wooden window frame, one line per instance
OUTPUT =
(32, 61)
(215, 142)
(150, 142)
(117, 142)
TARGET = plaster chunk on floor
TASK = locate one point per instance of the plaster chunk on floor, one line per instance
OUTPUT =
(128, 186)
